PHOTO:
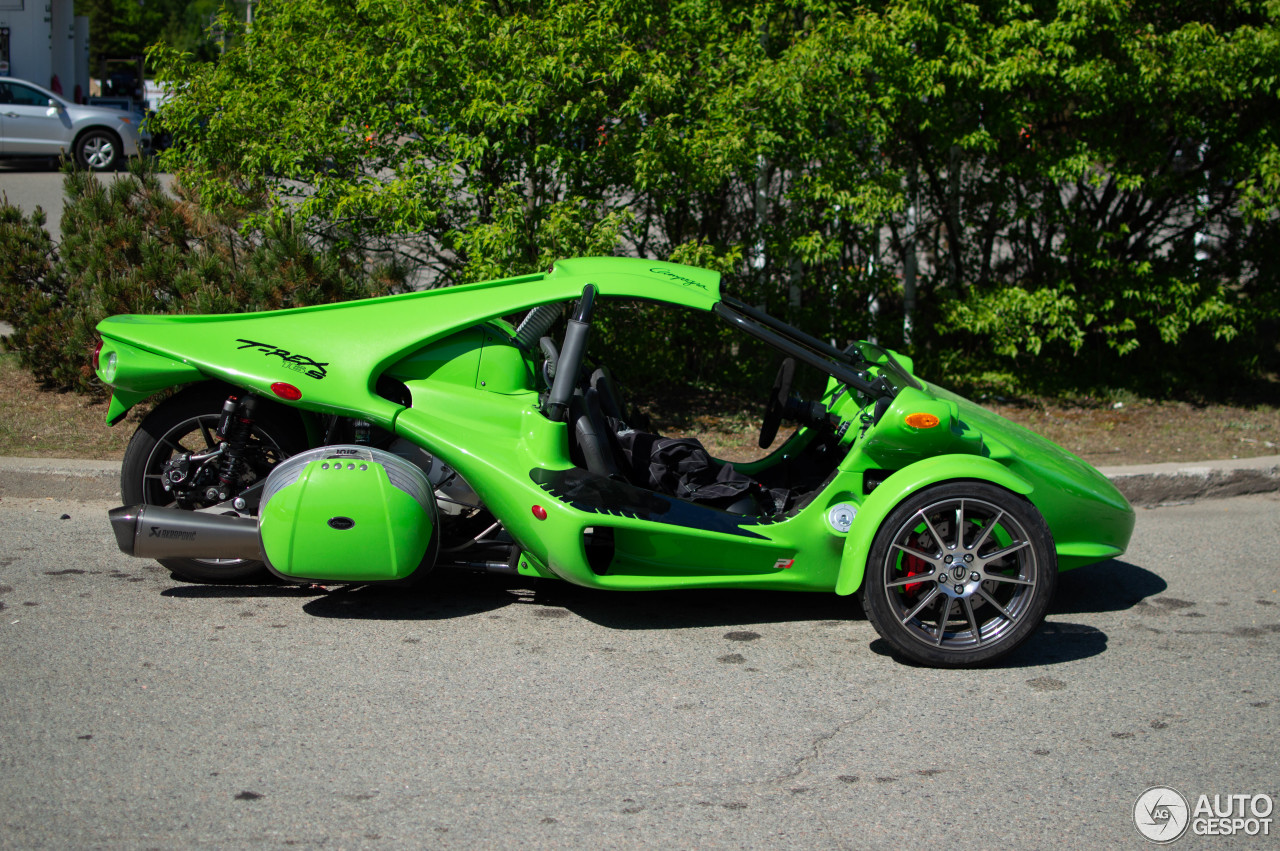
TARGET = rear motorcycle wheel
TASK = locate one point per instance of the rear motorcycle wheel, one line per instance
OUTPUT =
(185, 423)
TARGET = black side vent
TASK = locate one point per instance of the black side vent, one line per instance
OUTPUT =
(598, 541)
(394, 391)
(871, 479)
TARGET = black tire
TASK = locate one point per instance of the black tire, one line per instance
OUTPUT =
(960, 574)
(99, 150)
(185, 422)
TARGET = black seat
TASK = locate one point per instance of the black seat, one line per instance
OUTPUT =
(613, 402)
(610, 398)
(590, 443)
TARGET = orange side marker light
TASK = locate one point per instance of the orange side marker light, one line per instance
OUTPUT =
(921, 420)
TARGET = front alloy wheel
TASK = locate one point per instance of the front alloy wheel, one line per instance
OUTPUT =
(98, 150)
(960, 574)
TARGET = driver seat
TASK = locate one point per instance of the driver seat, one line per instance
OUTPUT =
(606, 388)
(612, 402)
(590, 441)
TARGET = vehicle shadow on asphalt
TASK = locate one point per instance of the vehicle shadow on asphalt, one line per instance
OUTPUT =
(453, 593)
(22, 164)
(458, 594)
(1052, 644)
(1107, 587)
(1110, 586)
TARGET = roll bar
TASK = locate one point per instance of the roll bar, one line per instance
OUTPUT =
(571, 355)
(797, 344)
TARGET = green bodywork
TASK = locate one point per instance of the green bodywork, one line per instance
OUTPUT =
(475, 405)
(383, 535)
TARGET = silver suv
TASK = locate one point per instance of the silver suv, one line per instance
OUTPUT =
(35, 122)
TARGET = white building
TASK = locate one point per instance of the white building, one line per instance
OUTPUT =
(43, 41)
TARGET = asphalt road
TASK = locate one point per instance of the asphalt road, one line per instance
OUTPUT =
(137, 711)
(31, 183)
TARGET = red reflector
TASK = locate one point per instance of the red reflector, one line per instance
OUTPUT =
(97, 352)
(286, 391)
(539, 512)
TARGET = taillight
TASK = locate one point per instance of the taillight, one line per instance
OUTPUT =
(286, 391)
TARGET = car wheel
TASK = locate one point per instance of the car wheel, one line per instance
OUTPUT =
(98, 150)
(960, 574)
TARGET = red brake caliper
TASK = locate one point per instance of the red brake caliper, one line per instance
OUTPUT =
(916, 566)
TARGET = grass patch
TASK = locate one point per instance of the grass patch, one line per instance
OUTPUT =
(1141, 431)
(39, 423)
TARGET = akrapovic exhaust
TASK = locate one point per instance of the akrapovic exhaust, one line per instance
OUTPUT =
(148, 531)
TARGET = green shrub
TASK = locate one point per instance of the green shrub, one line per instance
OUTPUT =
(128, 246)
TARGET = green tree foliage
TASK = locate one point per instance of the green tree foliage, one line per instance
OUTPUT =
(1096, 180)
(480, 139)
(124, 28)
(128, 246)
(1085, 186)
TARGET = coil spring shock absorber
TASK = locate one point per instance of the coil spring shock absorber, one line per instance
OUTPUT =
(234, 427)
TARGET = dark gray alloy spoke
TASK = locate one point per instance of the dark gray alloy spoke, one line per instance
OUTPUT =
(986, 531)
(933, 560)
(967, 605)
(1009, 550)
(910, 580)
(933, 592)
(942, 619)
(1004, 577)
(992, 600)
(937, 539)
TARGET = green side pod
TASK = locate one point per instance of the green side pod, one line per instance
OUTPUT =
(347, 514)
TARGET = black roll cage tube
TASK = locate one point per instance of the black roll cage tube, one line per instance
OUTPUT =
(778, 325)
(571, 354)
(766, 328)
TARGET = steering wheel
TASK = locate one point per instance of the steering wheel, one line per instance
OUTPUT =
(777, 401)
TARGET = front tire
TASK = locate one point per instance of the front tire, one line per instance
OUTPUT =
(186, 423)
(960, 574)
(99, 150)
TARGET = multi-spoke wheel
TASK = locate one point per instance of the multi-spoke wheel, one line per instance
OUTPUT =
(960, 574)
(184, 426)
(98, 150)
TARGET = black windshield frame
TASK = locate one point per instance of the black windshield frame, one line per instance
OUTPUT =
(823, 356)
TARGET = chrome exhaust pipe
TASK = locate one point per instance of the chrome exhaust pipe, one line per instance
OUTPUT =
(148, 531)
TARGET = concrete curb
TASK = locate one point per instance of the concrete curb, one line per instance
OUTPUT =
(1155, 484)
(62, 478)
(1146, 485)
